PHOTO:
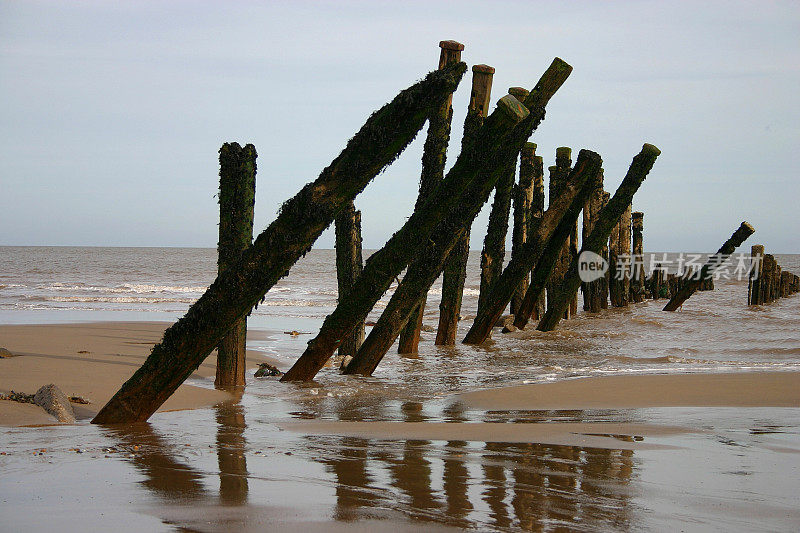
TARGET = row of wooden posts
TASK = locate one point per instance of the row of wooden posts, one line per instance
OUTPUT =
(434, 239)
(768, 281)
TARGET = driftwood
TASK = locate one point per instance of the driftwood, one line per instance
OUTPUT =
(606, 222)
(478, 157)
(434, 156)
(728, 247)
(349, 263)
(454, 274)
(302, 219)
(237, 197)
(549, 235)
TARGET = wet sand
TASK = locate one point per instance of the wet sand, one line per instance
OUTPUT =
(739, 389)
(90, 360)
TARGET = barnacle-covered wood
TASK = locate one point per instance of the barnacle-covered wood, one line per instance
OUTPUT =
(549, 233)
(301, 220)
(606, 221)
(477, 159)
(237, 198)
(620, 261)
(594, 292)
(349, 262)
(434, 157)
(728, 247)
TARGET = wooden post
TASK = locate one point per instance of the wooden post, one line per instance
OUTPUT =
(606, 255)
(786, 281)
(455, 270)
(523, 199)
(776, 283)
(478, 157)
(637, 290)
(592, 291)
(237, 197)
(558, 175)
(494, 244)
(542, 250)
(606, 222)
(537, 211)
(619, 269)
(434, 156)
(349, 263)
(301, 220)
(738, 237)
(765, 286)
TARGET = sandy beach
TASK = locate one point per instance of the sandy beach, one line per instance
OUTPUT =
(91, 361)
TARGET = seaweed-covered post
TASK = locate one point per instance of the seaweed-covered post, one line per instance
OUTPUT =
(593, 294)
(607, 220)
(434, 155)
(237, 197)
(637, 263)
(713, 263)
(754, 294)
(349, 262)
(494, 244)
(454, 274)
(302, 219)
(523, 200)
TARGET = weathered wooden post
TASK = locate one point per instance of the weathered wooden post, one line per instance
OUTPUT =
(593, 291)
(738, 237)
(776, 283)
(558, 175)
(523, 200)
(237, 197)
(302, 219)
(607, 220)
(478, 157)
(541, 252)
(537, 211)
(494, 244)
(434, 156)
(768, 278)
(786, 281)
(637, 263)
(454, 274)
(349, 262)
(619, 269)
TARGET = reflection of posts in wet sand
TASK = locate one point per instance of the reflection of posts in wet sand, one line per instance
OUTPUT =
(352, 482)
(164, 474)
(231, 445)
(456, 479)
(556, 485)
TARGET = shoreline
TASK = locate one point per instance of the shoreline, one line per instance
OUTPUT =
(91, 360)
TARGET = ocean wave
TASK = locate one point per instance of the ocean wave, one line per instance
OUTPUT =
(116, 299)
(135, 288)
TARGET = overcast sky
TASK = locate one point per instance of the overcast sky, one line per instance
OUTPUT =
(113, 112)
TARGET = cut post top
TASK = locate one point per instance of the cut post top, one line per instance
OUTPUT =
(520, 93)
(529, 148)
(757, 249)
(563, 152)
(512, 109)
(481, 95)
(451, 45)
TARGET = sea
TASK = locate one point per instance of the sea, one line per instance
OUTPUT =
(232, 468)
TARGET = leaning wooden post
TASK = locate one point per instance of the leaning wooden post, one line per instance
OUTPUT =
(607, 220)
(637, 263)
(754, 294)
(434, 155)
(454, 274)
(542, 251)
(523, 199)
(714, 262)
(593, 290)
(494, 244)
(349, 263)
(301, 220)
(477, 161)
(237, 197)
